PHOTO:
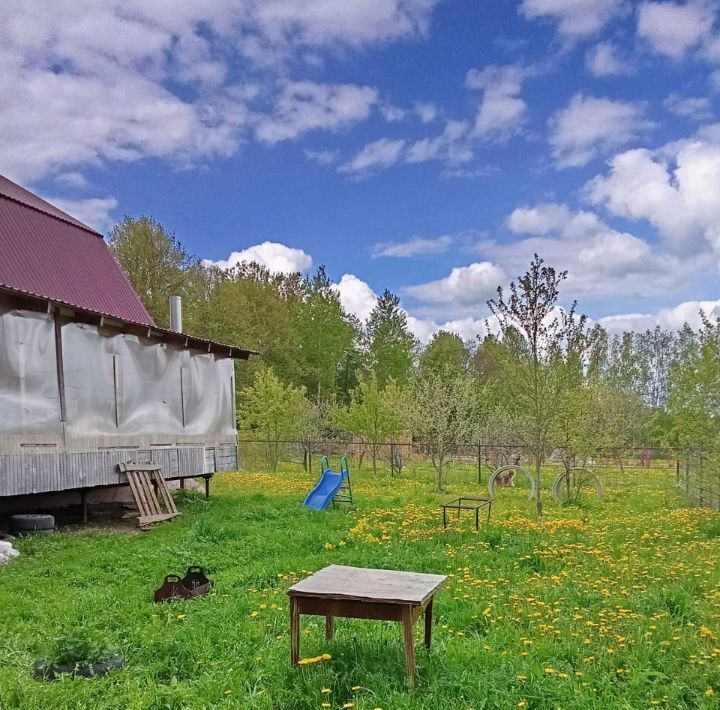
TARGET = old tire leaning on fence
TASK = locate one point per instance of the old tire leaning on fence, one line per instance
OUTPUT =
(583, 477)
(510, 467)
(32, 524)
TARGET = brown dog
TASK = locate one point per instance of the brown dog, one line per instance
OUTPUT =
(506, 479)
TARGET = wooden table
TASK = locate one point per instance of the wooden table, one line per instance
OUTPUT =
(467, 503)
(359, 593)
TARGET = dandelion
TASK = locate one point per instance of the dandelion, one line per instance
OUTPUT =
(326, 691)
(709, 693)
(228, 692)
(355, 688)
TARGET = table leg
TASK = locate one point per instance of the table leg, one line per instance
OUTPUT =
(444, 517)
(409, 646)
(477, 519)
(489, 509)
(294, 632)
(329, 627)
(428, 624)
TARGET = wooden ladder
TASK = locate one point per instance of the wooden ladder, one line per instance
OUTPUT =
(150, 492)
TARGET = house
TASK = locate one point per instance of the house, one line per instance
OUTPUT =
(87, 380)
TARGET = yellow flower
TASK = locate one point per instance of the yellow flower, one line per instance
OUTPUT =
(325, 705)
(182, 616)
(326, 691)
(522, 704)
(550, 670)
(709, 693)
(253, 614)
(228, 692)
(355, 688)
(349, 705)
(326, 656)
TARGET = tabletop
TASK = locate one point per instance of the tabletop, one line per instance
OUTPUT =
(372, 585)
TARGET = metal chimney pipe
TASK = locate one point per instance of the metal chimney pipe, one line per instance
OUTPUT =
(176, 314)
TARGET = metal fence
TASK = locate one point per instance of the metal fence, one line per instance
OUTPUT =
(699, 476)
(469, 462)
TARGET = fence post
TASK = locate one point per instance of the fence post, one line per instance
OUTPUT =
(479, 463)
(392, 458)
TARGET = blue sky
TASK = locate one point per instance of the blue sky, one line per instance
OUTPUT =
(426, 146)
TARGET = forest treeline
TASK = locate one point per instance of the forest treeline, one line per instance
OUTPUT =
(547, 378)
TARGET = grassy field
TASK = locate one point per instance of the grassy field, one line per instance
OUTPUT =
(607, 605)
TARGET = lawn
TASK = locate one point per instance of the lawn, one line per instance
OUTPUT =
(607, 605)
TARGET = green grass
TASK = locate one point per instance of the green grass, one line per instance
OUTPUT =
(600, 605)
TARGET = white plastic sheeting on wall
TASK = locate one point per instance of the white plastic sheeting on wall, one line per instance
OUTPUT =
(29, 398)
(126, 385)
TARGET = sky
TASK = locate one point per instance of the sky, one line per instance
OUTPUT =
(426, 146)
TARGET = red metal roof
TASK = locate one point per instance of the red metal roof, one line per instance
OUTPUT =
(48, 254)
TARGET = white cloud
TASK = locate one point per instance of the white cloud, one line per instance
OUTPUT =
(356, 296)
(590, 127)
(697, 108)
(426, 112)
(672, 318)
(73, 180)
(551, 218)
(600, 260)
(381, 153)
(574, 18)
(467, 328)
(322, 157)
(604, 59)
(276, 257)
(464, 286)
(303, 106)
(673, 29)
(358, 299)
(392, 114)
(501, 110)
(416, 246)
(453, 146)
(121, 81)
(95, 212)
(675, 189)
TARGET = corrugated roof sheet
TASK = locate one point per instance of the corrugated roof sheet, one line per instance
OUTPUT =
(48, 254)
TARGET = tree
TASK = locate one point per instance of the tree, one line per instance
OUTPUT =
(372, 415)
(158, 267)
(539, 356)
(390, 345)
(323, 335)
(275, 411)
(442, 411)
(694, 399)
(445, 350)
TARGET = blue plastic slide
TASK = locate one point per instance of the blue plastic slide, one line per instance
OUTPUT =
(326, 489)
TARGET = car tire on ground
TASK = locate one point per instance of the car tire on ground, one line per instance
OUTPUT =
(6, 538)
(31, 523)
